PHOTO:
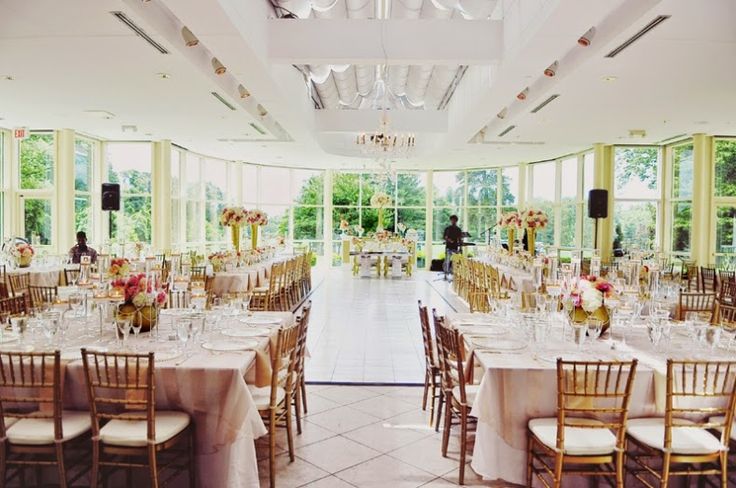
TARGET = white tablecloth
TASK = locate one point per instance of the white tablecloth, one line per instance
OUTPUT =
(44, 276)
(241, 280)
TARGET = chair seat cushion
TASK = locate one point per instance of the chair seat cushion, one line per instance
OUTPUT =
(39, 432)
(262, 396)
(134, 433)
(685, 440)
(716, 420)
(579, 441)
(9, 421)
(470, 392)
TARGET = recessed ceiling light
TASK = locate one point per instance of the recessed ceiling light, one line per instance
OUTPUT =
(163, 76)
(7, 78)
(129, 128)
(701, 122)
(610, 78)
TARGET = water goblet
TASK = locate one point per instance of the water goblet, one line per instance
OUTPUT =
(654, 332)
(122, 328)
(136, 324)
(183, 331)
(712, 336)
(19, 325)
(76, 301)
(595, 327)
(579, 332)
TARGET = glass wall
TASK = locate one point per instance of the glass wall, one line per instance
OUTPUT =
(637, 198)
(725, 201)
(129, 164)
(681, 195)
(84, 159)
(36, 187)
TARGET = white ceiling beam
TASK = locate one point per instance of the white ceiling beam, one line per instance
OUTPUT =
(358, 41)
(418, 121)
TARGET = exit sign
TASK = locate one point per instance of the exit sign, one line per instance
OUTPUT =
(20, 133)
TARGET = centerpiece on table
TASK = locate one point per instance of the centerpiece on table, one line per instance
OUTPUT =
(588, 300)
(344, 227)
(218, 260)
(255, 218)
(358, 230)
(511, 221)
(233, 217)
(380, 200)
(141, 299)
(401, 229)
(23, 254)
(119, 268)
(532, 220)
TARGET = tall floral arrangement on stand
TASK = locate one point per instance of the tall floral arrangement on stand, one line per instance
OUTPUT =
(255, 218)
(344, 227)
(119, 268)
(233, 217)
(511, 222)
(532, 220)
(380, 200)
(587, 299)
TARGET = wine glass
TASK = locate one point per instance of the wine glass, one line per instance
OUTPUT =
(712, 336)
(245, 303)
(76, 301)
(654, 332)
(595, 327)
(183, 331)
(136, 324)
(19, 325)
(578, 334)
(122, 328)
(50, 324)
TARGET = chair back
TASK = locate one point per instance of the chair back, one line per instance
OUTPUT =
(17, 305)
(696, 302)
(727, 292)
(301, 343)
(120, 386)
(30, 387)
(599, 390)
(429, 349)
(72, 275)
(451, 349)
(698, 391)
(708, 282)
(19, 283)
(42, 295)
(727, 315)
(179, 299)
(283, 362)
(197, 274)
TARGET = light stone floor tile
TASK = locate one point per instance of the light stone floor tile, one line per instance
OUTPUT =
(317, 404)
(383, 407)
(342, 419)
(383, 472)
(335, 454)
(329, 482)
(346, 395)
(290, 474)
(384, 437)
(311, 433)
(426, 454)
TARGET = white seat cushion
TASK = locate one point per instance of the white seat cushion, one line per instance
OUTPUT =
(718, 419)
(10, 421)
(470, 392)
(685, 440)
(579, 441)
(262, 396)
(39, 432)
(134, 433)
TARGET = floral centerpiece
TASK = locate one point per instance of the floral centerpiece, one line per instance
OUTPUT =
(532, 220)
(255, 218)
(380, 200)
(141, 299)
(588, 299)
(138, 248)
(401, 229)
(358, 230)
(218, 260)
(412, 235)
(511, 221)
(383, 236)
(233, 217)
(119, 268)
(23, 254)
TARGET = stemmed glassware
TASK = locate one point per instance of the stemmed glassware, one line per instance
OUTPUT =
(136, 324)
(122, 328)
(184, 331)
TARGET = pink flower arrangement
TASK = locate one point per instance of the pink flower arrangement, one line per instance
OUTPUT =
(256, 217)
(232, 216)
(509, 220)
(23, 250)
(534, 219)
(139, 291)
(119, 268)
(590, 293)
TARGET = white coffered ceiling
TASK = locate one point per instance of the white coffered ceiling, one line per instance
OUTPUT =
(449, 67)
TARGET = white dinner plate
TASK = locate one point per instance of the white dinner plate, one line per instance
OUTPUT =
(500, 345)
(166, 354)
(247, 332)
(8, 337)
(75, 353)
(486, 330)
(243, 345)
(13, 347)
(566, 356)
(262, 320)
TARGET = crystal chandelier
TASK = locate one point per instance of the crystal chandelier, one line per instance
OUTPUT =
(383, 143)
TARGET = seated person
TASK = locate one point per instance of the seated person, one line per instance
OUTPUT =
(81, 249)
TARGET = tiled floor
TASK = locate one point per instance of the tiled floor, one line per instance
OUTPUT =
(367, 329)
(366, 436)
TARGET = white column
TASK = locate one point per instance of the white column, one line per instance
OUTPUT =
(702, 247)
(428, 222)
(161, 198)
(64, 232)
(327, 228)
(604, 179)
(8, 188)
(523, 186)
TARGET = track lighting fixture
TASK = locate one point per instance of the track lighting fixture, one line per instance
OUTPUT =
(586, 38)
(218, 67)
(522, 94)
(244, 93)
(551, 70)
(190, 40)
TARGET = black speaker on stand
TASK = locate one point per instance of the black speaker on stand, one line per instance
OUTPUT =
(110, 202)
(597, 209)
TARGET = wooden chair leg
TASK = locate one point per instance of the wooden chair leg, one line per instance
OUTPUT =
(298, 410)
(60, 465)
(529, 459)
(463, 443)
(446, 430)
(271, 449)
(426, 390)
(289, 430)
(303, 387)
(94, 478)
(439, 410)
(153, 466)
(433, 398)
(192, 460)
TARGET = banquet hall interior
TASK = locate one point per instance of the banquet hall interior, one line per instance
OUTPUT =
(367, 243)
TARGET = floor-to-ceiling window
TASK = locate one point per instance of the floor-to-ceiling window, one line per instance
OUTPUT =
(637, 198)
(544, 197)
(680, 202)
(129, 164)
(215, 172)
(36, 188)
(84, 163)
(176, 216)
(725, 201)
(308, 210)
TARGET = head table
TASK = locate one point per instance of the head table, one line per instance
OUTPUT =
(211, 386)
(521, 384)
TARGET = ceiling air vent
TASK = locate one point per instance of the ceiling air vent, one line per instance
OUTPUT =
(138, 30)
(223, 101)
(631, 40)
(507, 130)
(545, 103)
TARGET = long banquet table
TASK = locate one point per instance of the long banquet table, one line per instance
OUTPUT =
(241, 280)
(44, 275)
(521, 385)
(209, 386)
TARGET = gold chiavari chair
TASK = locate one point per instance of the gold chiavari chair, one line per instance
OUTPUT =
(71, 276)
(727, 292)
(179, 299)
(274, 402)
(127, 430)
(436, 321)
(299, 397)
(587, 438)
(689, 274)
(19, 283)
(197, 274)
(19, 305)
(696, 302)
(726, 275)
(35, 431)
(432, 380)
(708, 281)
(727, 315)
(42, 296)
(459, 396)
(680, 444)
